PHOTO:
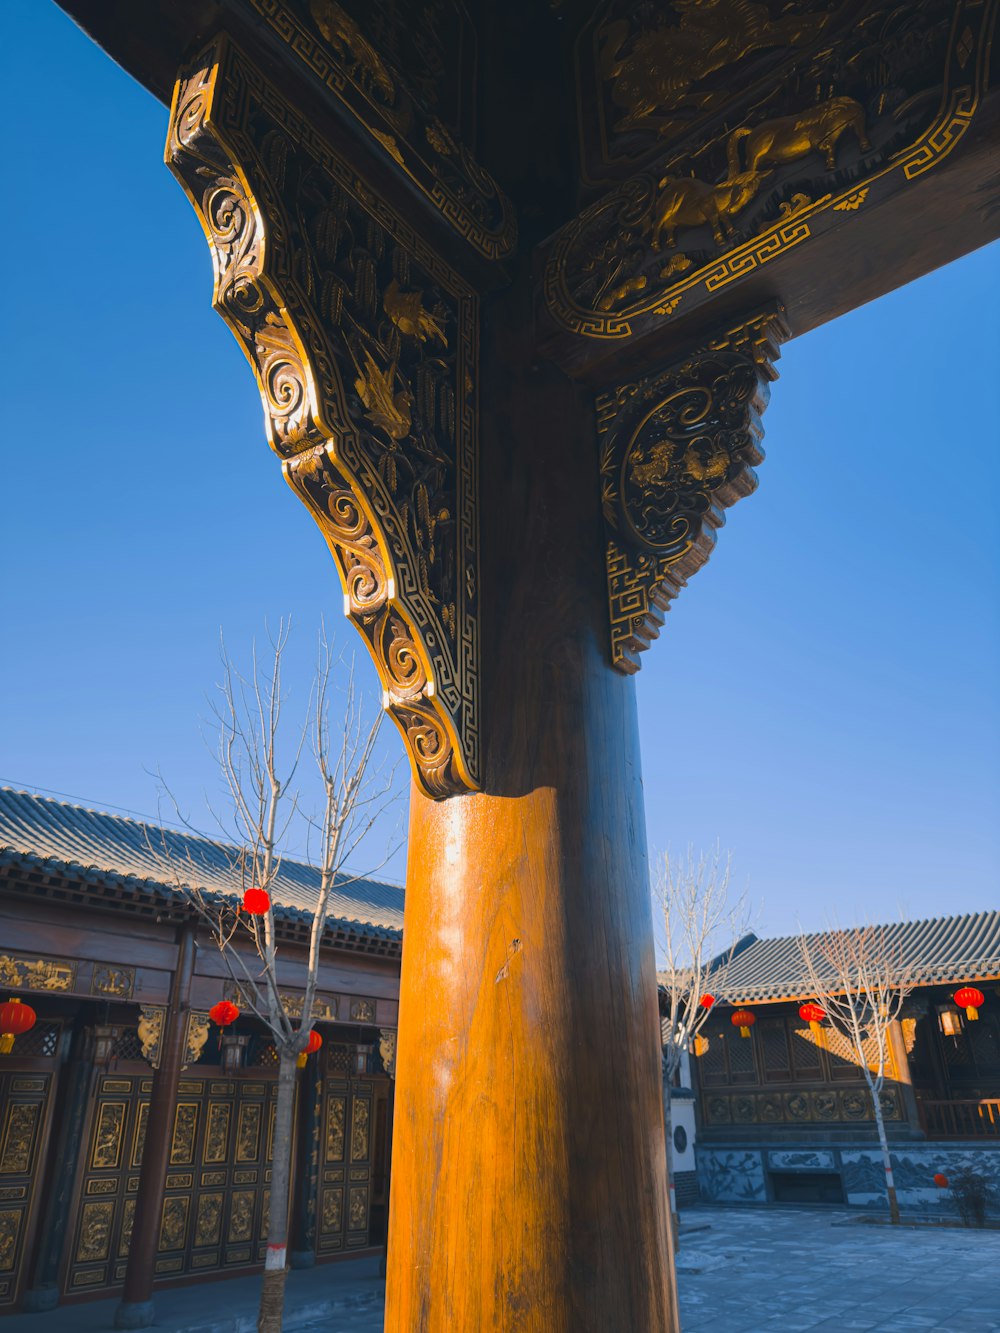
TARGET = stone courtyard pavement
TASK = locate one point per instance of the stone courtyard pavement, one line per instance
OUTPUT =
(780, 1270)
(740, 1270)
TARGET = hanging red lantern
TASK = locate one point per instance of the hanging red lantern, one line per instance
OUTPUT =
(813, 1014)
(743, 1019)
(256, 902)
(971, 1000)
(15, 1018)
(312, 1046)
(707, 1001)
(224, 1013)
(941, 1180)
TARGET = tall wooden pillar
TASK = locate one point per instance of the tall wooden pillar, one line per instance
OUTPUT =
(528, 1172)
(136, 1308)
(514, 487)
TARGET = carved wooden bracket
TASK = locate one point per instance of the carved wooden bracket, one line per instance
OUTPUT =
(677, 449)
(365, 345)
(151, 1020)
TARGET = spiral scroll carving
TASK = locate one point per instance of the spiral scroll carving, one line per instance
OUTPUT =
(678, 449)
(364, 345)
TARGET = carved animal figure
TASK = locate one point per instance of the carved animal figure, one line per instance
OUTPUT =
(684, 202)
(787, 138)
(350, 43)
(655, 77)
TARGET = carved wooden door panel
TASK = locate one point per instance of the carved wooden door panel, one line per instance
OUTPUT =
(217, 1192)
(346, 1177)
(23, 1113)
(218, 1186)
(98, 1239)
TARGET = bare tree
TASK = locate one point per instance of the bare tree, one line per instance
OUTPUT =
(259, 761)
(856, 976)
(702, 923)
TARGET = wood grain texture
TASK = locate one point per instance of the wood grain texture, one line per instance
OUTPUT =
(528, 1175)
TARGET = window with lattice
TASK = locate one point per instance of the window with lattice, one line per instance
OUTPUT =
(39, 1042)
(773, 1039)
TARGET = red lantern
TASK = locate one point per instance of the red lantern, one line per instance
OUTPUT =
(971, 1000)
(224, 1013)
(743, 1019)
(312, 1045)
(941, 1181)
(707, 1001)
(256, 902)
(813, 1014)
(15, 1018)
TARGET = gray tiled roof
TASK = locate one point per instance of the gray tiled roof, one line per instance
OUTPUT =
(94, 845)
(943, 950)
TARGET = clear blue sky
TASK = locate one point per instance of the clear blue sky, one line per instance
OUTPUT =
(824, 697)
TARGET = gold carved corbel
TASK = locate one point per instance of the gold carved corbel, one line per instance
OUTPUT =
(676, 450)
(364, 346)
(150, 1032)
(195, 1037)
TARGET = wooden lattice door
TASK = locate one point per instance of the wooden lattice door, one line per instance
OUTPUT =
(217, 1194)
(346, 1177)
(24, 1114)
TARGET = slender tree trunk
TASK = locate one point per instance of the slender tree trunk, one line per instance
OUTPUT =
(890, 1183)
(668, 1125)
(272, 1294)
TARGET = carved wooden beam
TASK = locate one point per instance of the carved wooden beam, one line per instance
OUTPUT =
(677, 449)
(364, 345)
(731, 156)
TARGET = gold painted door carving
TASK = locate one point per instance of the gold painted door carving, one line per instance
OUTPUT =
(214, 1213)
(23, 1113)
(346, 1176)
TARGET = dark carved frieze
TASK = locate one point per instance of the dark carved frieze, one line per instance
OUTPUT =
(676, 450)
(364, 344)
(405, 71)
(746, 127)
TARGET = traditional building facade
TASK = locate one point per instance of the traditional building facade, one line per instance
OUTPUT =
(107, 951)
(784, 1115)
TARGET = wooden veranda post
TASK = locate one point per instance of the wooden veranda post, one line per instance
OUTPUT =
(136, 1308)
(513, 281)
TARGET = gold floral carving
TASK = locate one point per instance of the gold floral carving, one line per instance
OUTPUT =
(363, 1011)
(333, 1209)
(241, 1216)
(95, 1232)
(128, 1221)
(335, 1113)
(357, 1219)
(365, 349)
(197, 1035)
(248, 1133)
(107, 1147)
(387, 1050)
(18, 1138)
(10, 1226)
(45, 974)
(216, 1147)
(360, 1116)
(208, 1226)
(109, 980)
(848, 104)
(677, 449)
(173, 1223)
(150, 1031)
(185, 1129)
